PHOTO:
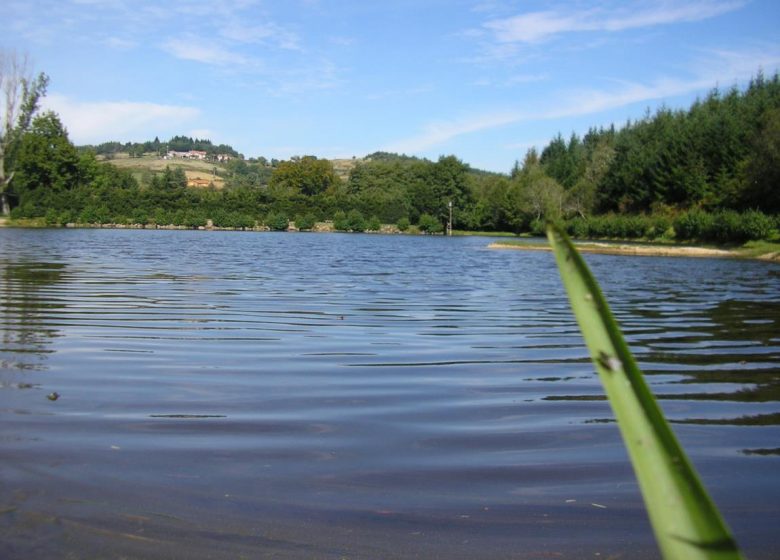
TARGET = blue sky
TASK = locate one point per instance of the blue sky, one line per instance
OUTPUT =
(484, 80)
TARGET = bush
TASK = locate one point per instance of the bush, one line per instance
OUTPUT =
(659, 227)
(340, 222)
(429, 224)
(305, 222)
(403, 224)
(538, 228)
(95, 215)
(725, 226)
(277, 222)
(355, 221)
(140, 216)
(694, 224)
(577, 228)
(161, 217)
(52, 217)
(755, 225)
(374, 224)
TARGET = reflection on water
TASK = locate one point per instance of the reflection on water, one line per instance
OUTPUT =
(27, 293)
(329, 396)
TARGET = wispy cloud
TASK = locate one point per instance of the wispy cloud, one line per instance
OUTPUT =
(267, 32)
(437, 133)
(94, 122)
(536, 27)
(198, 50)
(713, 67)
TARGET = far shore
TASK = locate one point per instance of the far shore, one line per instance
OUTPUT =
(769, 253)
(761, 250)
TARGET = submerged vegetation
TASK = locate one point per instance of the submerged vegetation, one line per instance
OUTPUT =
(710, 173)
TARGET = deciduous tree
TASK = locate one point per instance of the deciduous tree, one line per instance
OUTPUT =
(20, 97)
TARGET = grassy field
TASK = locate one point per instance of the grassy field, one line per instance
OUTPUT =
(342, 167)
(151, 164)
(195, 169)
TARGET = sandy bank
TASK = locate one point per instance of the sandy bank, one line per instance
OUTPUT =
(642, 250)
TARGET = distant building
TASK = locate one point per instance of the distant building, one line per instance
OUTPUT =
(192, 154)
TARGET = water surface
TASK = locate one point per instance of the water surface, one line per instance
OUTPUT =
(227, 395)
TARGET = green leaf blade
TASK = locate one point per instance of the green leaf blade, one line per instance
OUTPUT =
(686, 523)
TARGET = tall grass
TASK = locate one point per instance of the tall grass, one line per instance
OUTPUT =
(686, 523)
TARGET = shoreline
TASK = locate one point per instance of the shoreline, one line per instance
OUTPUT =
(641, 250)
(624, 248)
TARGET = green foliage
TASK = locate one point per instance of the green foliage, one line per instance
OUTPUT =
(709, 174)
(725, 226)
(176, 144)
(373, 224)
(720, 154)
(21, 100)
(308, 176)
(45, 158)
(685, 520)
(305, 222)
(340, 222)
(429, 224)
(355, 221)
(277, 222)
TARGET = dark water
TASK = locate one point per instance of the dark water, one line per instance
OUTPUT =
(238, 395)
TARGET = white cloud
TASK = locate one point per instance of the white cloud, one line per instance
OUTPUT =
(96, 122)
(191, 48)
(536, 27)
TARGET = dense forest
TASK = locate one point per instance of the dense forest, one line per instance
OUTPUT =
(711, 172)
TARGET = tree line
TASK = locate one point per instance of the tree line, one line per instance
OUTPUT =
(709, 172)
(176, 144)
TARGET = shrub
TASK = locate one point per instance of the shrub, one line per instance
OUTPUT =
(694, 224)
(52, 217)
(429, 224)
(374, 224)
(277, 222)
(755, 225)
(577, 228)
(659, 227)
(305, 222)
(95, 215)
(140, 216)
(538, 228)
(340, 221)
(723, 227)
(355, 221)
(403, 224)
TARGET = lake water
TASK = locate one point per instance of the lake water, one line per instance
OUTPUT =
(245, 395)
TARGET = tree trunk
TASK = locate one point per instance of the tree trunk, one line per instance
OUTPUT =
(4, 205)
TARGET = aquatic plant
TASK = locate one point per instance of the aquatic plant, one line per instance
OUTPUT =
(685, 520)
